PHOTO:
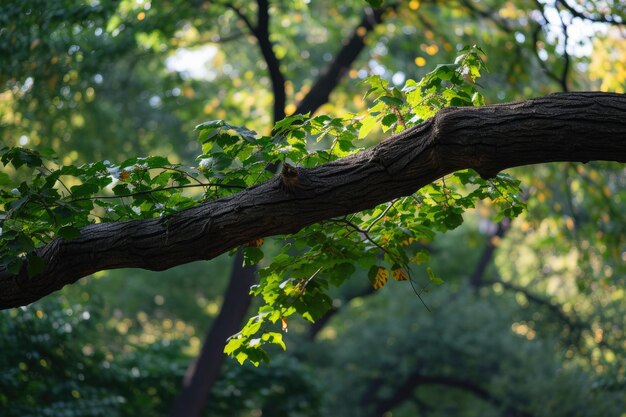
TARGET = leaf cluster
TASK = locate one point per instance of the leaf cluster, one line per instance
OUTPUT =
(388, 240)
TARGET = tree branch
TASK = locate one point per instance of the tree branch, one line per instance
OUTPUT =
(476, 279)
(273, 64)
(262, 35)
(560, 127)
(416, 379)
(332, 75)
(574, 324)
(587, 16)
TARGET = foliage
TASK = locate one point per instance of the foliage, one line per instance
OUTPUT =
(407, 350)
(67, 344)
(286, 389)
(92, 80)
(296, 280)
(57, 202)
(64, 343)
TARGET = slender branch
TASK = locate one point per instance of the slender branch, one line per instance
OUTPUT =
(273, 64)
(406, 390)
(497, 20)
(262, 35)
(559, 127)
(602, 18)
(476, 278)
(566, 58)
(242, 16)
(574, 324)
(542, 64)
(382, 215)
(366, 236)
(173, 187)
(332, 75)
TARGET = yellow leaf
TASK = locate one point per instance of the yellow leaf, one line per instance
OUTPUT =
(256, 243)
(378, 276)
(399, 274)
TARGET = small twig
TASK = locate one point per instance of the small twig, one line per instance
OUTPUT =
(367, 236)
(585, 16)
(382, 215)
(419, 294)
(242, 16)
(396, 111)
(391, 255)
(174, 187)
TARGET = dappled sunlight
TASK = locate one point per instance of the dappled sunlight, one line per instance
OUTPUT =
(479, 294)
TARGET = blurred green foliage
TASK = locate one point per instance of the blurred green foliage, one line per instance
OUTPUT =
(114, 80)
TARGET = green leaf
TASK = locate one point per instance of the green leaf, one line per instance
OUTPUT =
(69, 232)
(434, 279)
(252, 256)
(274, 338)
(367, 124)
(5, 179)
(205, 137)
(210, 125)
(15, 265)
(84, 190)
(391, 101)
(421, 257)
(35, 265)
(241, 358)
(157, 162)
(290, 123)
(389, 120)
(121, 189)
(478, 99)
(233, 344)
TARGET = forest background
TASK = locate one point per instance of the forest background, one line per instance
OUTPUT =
(530, 319)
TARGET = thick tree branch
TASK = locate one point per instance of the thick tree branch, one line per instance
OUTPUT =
(196, 391)
(560, 127)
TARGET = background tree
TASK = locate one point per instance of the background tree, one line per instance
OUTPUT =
(149, 105)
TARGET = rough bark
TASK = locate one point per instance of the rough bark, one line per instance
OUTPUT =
(205, 370)
(561, 127)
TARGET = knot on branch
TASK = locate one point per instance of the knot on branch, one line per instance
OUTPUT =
(289, 178)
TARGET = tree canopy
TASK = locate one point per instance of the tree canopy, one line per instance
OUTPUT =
(337, 144)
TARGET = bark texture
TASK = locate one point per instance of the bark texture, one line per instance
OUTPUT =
(559, 127)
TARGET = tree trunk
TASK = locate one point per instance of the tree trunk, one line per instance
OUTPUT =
(205, 370)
